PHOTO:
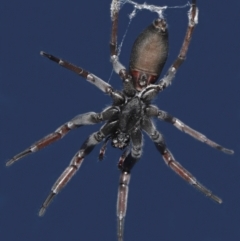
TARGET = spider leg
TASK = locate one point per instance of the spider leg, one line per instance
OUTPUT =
(157, 138)
(117, 66)
(76, 162)
(91, 78)
(126, 163)
(89, 118)
(122, 203)
(192, 21)
(162, 115)
(136, 152)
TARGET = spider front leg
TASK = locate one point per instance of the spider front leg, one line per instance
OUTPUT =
(126, 163)
(157, 138)
(89, 118)
(192, 21)
(76, 162)
(162, 115)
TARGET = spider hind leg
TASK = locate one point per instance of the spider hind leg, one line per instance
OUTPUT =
(157, 138)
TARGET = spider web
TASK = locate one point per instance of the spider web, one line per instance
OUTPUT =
(116, 5)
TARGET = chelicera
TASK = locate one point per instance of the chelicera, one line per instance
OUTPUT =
(131, 111)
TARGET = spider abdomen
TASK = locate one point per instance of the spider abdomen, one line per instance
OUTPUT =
(149, 54)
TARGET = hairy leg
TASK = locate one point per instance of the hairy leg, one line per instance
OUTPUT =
(157, 138)
(89, 118)
(153, 111)
(192, 21)
(76, 162)
(91, 78)
(117, 66)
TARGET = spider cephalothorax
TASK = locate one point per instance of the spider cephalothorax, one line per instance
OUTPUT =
(131, 111)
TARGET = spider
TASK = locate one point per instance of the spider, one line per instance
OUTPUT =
(131, 111)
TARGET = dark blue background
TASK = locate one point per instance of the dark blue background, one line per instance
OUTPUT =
(37, 96)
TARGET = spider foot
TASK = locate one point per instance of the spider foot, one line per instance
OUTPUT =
(120, 228)
(49, 56)
(207, 192)
(18, 156)
(219, 147)
(46, 204)
(187, 176)
(45, 141)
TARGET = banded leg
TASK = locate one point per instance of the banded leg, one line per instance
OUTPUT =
(162, 115)
(122, 203)
(117, 66)
(125, 165)
(128, 87)
(157, 138)
(192, 21)
(91, 78)
(76, 162)
(89, 118)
